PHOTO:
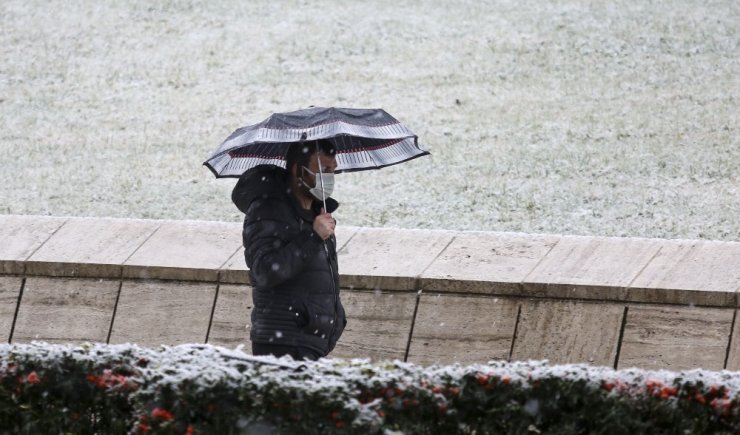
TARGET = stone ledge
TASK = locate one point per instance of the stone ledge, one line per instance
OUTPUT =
(22, 236)
(390, 259)
(487, 263)
(185, 250)
(637, 270)
(62, 269)
(90, 247)
(418, 295)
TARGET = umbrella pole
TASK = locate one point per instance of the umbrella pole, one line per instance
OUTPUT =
(323, 194)
(321, 174)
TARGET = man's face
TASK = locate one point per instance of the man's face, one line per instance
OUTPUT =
(328, 165)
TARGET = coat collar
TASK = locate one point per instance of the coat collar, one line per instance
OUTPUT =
(316, 206)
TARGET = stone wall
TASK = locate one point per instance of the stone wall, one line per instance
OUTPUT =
(417, 295)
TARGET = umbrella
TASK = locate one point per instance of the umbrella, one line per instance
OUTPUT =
(363, 139)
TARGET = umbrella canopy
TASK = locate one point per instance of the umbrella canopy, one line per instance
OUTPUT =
(363, 139)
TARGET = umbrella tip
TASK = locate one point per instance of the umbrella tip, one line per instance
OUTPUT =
(304, 136)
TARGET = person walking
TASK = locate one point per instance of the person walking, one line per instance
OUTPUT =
(290, 250)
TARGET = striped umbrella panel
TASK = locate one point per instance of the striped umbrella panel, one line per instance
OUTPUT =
(250, 135)
(353, 154)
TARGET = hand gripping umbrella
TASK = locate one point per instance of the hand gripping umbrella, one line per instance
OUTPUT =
(363, 139)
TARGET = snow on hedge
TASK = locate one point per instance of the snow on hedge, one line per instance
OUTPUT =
(195, 388)
(206, 364)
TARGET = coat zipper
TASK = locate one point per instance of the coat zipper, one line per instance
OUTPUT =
(334, 292)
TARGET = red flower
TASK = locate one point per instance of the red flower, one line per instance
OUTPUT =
(622, 386)
(189, 430)
(162, 414)
(482, 379)
(506, 380)
(654, 387)
(107, 380)
(339, 424)
(667, 392)
(722, 406)
(33, 378)
(699, 398)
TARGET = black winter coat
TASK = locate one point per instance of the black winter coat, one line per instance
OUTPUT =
(293, 272)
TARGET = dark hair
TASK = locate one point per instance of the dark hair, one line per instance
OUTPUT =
(301, 152)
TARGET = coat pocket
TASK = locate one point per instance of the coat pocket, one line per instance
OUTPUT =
(318, 322)
(301, 315)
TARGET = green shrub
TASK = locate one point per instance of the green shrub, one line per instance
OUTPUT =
(196, 389)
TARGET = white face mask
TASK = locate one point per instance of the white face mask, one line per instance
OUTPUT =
(319, 192)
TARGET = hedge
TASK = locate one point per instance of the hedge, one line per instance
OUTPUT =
(202, 389)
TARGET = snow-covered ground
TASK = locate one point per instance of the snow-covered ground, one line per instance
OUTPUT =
(601, 117)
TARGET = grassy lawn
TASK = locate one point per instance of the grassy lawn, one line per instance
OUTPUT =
(608, 118)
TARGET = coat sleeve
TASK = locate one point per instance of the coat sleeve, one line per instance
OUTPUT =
(273, 249)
